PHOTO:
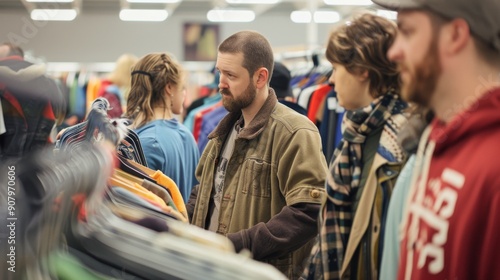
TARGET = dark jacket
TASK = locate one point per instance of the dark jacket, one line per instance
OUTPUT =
(30, 103)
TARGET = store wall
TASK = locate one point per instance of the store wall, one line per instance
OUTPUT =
(103, 37)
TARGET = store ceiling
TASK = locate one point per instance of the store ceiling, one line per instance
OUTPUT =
(184, 6)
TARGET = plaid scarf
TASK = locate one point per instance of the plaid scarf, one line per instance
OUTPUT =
(342, 184)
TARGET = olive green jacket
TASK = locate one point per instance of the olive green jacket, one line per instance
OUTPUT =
(273, 186)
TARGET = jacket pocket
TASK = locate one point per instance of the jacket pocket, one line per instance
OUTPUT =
(256, 179)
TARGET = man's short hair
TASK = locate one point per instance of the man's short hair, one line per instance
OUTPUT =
(14, 50)
(488, 54)
(256, 50)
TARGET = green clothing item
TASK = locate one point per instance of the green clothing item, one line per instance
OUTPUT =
(276, 172)
(66, 267)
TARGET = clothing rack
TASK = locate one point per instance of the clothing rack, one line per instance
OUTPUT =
(107, 67)
(310, 84)
(292, 58)
(81, 213)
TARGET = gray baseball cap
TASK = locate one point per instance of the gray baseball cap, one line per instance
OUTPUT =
(483, 16)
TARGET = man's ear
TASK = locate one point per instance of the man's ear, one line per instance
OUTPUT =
(261, 76)
(456, 35)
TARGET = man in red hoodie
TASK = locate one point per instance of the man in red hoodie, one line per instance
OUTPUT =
(449, 57)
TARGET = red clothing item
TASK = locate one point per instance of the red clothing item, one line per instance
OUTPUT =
(198, 119)
(451, 227)
(104, 84)
(115, 105)
(114, 101)
(317, 98)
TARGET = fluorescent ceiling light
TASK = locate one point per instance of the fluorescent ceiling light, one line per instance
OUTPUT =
(53, 14)
(252, 1)
(388, 14)
(318, 16)
(230, 15)
(51, 1)
(326, 17)
(153, 1)
(348, 2)
(143, 15)
(301, 16)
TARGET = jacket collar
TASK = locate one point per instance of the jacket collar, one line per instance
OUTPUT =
(256, 126)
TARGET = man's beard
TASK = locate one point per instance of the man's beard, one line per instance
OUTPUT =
(420, 89)
(233, 104)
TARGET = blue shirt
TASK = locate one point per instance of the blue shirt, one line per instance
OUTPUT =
(170, 147)
(331, 133)
(207, 102)
(208, 124)
(390, 255)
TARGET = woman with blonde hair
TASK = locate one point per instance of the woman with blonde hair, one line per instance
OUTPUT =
(156, 96)
(368, 159)
(116, 86)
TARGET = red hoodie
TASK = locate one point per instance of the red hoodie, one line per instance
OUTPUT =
(452, 224)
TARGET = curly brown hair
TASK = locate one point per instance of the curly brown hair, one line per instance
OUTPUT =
(362, 45)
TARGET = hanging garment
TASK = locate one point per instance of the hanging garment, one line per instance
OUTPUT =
(30, 104)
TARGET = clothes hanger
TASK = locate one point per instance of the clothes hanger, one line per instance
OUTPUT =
(85, 129)
(142, 168)
(125, 165)
(133, 138)
(315, 60)
(130, 146)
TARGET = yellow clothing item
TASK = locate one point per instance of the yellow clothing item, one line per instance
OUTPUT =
(168, 183)
(138, 190)
(93, 86)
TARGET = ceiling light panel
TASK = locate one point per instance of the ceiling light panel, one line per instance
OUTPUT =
(50, 1)
(153, 1)
(301, 16)
(230, 15)
(143, 15)
(326, 17)
(348, 2)
(318, 16)
(252, 1)
(53, 14)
